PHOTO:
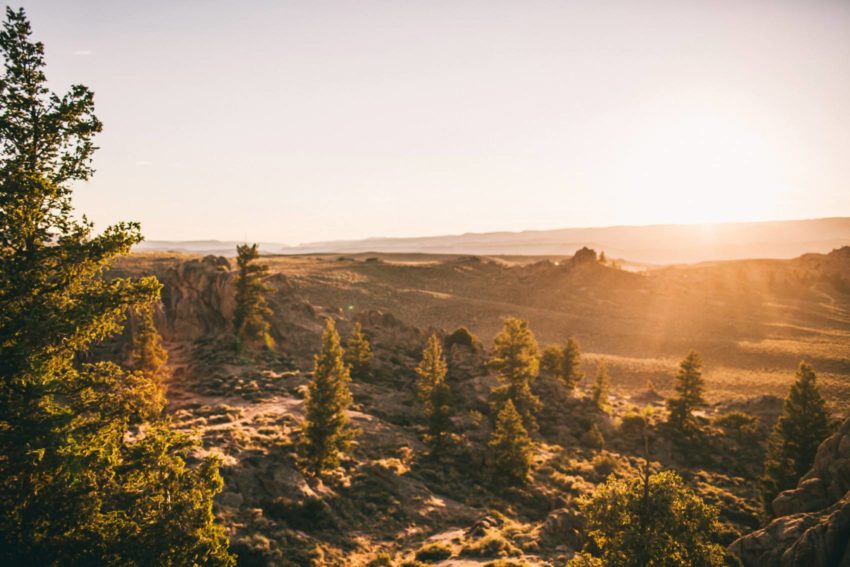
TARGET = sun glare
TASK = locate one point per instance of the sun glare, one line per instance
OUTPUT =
(706, 167)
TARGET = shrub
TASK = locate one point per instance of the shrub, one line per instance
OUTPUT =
(491, 544)
(432, 552)
(604, 464)
(302, 514)
(462, 337)
(593, 438)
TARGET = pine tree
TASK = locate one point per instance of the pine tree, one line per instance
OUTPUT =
(358, 353)
(149, 355)
(551, 361)
(327, 434)
(601, 387)
(689, 386)
(435, 394)
(511, 445)
(515, 360)
(804, 423)
(571, 373)
(144, 385)
(75, 487)
(250, 320)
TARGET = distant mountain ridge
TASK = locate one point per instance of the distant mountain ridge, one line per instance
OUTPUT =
(655, 244)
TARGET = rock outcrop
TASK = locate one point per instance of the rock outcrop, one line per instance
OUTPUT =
(813, 523)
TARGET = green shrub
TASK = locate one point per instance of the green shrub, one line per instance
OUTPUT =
(491, 544)
(462, 337)
(432, 552)
(304, 514)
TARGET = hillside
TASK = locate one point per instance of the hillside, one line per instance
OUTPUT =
(753, 320)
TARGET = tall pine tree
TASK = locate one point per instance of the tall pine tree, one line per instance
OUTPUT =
(79, 483)
(512, 447)
(435, 394)
(804, 423)
(601, 387)
(327, 434)
(358, 353)
(689, 390)
(515, 360)
(250, 320)
(570, 372)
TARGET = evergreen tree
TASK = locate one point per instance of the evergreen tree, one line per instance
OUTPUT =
(78, 484)
(689, 386)
(571, 373)
(327, 434)
(149, 355)
(250, 321)
(144, 385)
(435, 394)
(515, 360)
(652, 520)
(804, 423)
(511, 445)
(601, 387)
(358, 353)
(551, 361)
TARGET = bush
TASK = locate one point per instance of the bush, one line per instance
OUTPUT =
(593, 438)
(382, 560)
(462, 337)
(604, 465)
(306, 514)
(491, 544)
(432, 552)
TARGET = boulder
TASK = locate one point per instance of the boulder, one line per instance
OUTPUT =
(812, 527)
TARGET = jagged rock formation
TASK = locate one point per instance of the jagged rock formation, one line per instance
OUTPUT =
(813, 523)
(197, 298)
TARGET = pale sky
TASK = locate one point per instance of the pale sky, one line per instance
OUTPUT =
(312, 120)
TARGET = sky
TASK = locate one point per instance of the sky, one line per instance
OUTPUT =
(300, 121)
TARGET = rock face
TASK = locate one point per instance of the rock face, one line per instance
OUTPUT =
(197, 298)
(813, 523)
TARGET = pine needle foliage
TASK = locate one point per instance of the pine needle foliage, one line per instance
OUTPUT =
(327, 433)
(358, 353)
(149, 354)
(81, 481)
(803, 425)
(435, 394)
(570, 371)
(250, 319)
(512, 447)
(689, 394)
(516, 362)
(601, 387)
